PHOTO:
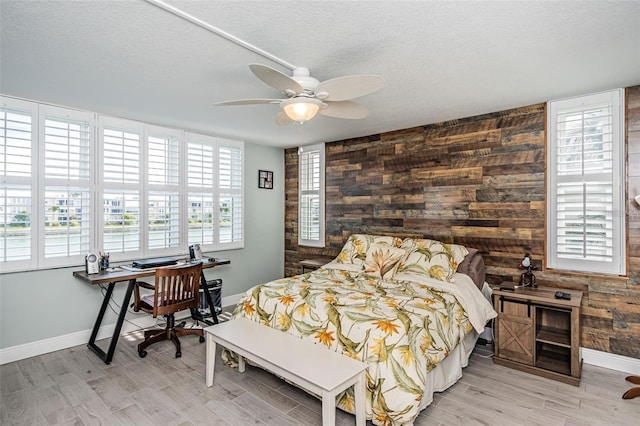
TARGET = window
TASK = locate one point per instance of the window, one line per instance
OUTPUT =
(311, 196)
(230, 183)
(122, 142)
(66, 137)
(73, 181)
(215, 191)
(202, 214)
(585, 184)
(18, 160)
(163, 184)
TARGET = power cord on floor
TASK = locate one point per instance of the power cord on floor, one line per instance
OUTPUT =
(160, 321)
(484, 356)
(484, 342)
(117, 312)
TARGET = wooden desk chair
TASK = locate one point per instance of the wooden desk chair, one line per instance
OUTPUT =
(176, 289)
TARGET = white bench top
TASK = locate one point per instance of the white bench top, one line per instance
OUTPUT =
(318, 365)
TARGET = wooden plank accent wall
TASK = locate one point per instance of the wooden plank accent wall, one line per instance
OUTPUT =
(479, 182)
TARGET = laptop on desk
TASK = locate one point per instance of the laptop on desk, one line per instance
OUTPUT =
(154, 263)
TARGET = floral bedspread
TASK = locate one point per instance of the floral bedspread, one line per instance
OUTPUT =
(402, 329)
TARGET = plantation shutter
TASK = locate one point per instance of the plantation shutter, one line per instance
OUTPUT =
(121, 153)
(230, 198)
(67, 137)
(121, 179)
(311, 197)
(586, 192)
(201, 181)
(17, 240)
(74, 182)
(163, 201)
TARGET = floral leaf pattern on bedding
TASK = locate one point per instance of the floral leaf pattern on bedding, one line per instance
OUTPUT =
(382, 259)
(354, 252)
(431, 258)
(402, 329)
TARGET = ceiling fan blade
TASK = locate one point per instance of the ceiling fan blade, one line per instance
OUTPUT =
(276, 79)
(348, 87)
(248, 102)
(283, 119)
(345, 109)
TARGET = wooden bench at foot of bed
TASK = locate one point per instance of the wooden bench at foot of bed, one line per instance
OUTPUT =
(312, 367)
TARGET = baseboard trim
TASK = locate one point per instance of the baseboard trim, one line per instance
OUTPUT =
(28, 350)
(231, 300)
(41, 347)
(611, 361)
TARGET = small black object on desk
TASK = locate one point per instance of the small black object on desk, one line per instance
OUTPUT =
(562, 295)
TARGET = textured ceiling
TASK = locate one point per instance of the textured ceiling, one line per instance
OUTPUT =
(441, 59)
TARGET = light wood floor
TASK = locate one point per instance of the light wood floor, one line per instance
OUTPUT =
(73, 387)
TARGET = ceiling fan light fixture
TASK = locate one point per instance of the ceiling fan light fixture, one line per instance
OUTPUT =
(301, 109)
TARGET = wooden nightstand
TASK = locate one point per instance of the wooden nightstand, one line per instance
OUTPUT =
(538, 333)
(312, 264)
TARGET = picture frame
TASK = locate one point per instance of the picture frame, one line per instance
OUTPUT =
(265, 179)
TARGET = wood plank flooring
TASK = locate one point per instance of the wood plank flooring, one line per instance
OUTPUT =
(73, 387)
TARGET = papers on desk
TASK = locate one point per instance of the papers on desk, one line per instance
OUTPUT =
(132, 269)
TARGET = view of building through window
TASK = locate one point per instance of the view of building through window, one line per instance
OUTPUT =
(155, 190)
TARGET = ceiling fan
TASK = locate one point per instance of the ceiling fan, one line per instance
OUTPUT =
(306, 96)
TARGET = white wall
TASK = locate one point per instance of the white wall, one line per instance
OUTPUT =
(46, 304)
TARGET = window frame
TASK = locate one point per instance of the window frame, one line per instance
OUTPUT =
(617, 265)
(88, 184)
(29, 182)
(128, 126)
(171, 189)
(235, 190)
(217, 190)
(320, 193)
(96, 186)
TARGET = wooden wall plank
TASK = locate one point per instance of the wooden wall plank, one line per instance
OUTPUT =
(477, 181)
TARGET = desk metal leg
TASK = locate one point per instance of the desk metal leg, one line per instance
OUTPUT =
(108, 356)
(96, 326)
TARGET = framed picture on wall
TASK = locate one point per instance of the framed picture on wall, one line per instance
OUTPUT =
(265, 179)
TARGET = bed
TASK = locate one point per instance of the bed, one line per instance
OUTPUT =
(411, 309)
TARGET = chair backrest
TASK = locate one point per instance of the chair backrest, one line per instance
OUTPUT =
(177, 289)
